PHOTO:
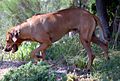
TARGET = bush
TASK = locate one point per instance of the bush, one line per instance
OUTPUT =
(24, 51)
(31, 72)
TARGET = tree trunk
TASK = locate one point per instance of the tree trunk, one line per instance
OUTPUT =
(102, 14)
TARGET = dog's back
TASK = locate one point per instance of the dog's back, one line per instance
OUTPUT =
(59, 23)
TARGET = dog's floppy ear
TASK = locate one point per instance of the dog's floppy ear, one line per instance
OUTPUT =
(15, 35)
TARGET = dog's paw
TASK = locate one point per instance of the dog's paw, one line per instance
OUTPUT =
(39, 56)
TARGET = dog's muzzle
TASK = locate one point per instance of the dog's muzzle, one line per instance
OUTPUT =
(14, 48)
(8, 49)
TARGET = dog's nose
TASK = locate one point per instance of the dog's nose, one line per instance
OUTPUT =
(7, 50)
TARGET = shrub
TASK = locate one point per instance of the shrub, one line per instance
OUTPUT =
(31, 72)
(23, 53)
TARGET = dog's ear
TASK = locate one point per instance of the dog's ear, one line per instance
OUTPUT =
(15, 35)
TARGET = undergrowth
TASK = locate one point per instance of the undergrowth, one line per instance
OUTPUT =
(31, 72)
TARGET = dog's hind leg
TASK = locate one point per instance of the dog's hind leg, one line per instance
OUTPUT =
(87, 46)
(103, 45)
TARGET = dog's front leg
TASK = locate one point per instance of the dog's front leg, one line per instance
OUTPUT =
(41, 48)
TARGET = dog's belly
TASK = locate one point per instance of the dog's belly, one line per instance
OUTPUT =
(55, 37)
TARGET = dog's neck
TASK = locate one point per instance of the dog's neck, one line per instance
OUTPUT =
(25, 31)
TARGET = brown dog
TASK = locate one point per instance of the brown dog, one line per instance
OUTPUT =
(48, 28)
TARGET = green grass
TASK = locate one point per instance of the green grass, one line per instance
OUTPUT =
(108, 70)
(69, 51)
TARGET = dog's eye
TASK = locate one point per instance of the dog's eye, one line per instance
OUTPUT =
(7, 40)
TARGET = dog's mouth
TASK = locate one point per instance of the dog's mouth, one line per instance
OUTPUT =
(12, 48)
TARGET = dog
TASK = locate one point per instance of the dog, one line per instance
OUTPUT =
(49, 28)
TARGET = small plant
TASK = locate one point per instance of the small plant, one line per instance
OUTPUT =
(23, 53)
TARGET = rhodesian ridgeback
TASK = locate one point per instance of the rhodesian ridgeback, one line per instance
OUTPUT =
(49, 28)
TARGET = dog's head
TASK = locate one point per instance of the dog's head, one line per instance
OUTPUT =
(11, 38)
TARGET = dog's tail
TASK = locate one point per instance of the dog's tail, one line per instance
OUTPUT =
(102, 34)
